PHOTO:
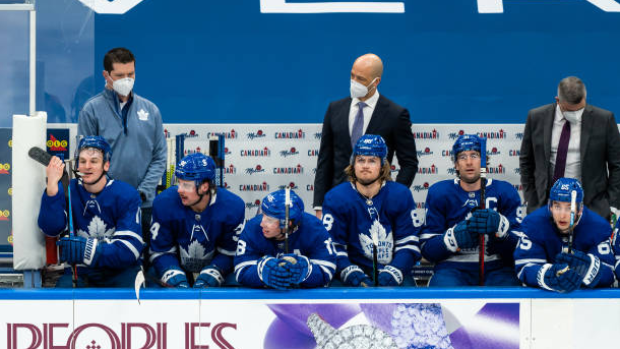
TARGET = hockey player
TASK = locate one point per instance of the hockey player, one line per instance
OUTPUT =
(107, 242)
(261, 258)
(453, 225)
(195, 227)
(372, 221)
(556, 256)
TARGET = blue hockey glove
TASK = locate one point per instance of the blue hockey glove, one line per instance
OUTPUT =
(390, 276)
(210, 276)
(272, 274)
(175, 278)
(354, 276)
(298, 266)
(588, 266)
(460, 237)
(488, 222)
(77, 250)
(559, 278)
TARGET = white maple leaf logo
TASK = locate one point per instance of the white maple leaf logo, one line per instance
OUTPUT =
(96, 229)
(195, 257)
(385, 243)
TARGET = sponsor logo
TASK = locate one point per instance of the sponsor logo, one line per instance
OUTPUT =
(300, 134)
(289, 170)
(452, 170)
(258, 134)
(517, 170)
(493, 151)
(252, 204)
(254, 187)
(226, 151)
(56, 145)
(115, 7)
(425, 152)
(4, 168)
(226, 185)
(255, 152)
(426, 135)
(289, 152)
(227, 135)
(519, 135)
(230, 169)
(421, 205)
(501, 134)
(4, 215)
(446, 153)
(393, 168)
(419, 188)
(292, 185)
(428, 170)
(455, 135)
(190, 134)
(499, 169)
(254, 170)
(313, 152)
(317, 135)
(514, 152)
(309, 187)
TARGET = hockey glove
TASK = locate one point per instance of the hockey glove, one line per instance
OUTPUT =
(559, 278)
(78, 250)
(272, 274)
(588, 266)
(210, 276)
(175, 278)
(460, 237)
(390, 276)
(488, 222)
(299, 267)
(354, 276)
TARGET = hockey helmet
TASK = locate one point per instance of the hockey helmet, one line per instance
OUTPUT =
(370, 145)
(196, 167)
(562, 188)
(96, 142)
(273, 206)
(466, 142)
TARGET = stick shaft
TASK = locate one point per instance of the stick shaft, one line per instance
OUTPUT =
(483, 183)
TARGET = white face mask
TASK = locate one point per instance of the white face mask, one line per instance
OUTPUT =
(123, 86)
(572, 116)
(358, 90)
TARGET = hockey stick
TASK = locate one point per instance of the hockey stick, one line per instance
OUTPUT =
(375, 261)
(483, 184)
(287, 203)
(573, 214)
(72, 234)
(41, 156)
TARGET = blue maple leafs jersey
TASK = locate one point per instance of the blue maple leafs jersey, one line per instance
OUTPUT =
(447, 204)
(352, 220)
(540, 243)
(111, 216)
(310, 240)
(616, 247)
(184, 239)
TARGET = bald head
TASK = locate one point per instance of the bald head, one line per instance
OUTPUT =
(371, 63)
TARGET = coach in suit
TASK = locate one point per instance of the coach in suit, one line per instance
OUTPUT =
(365, 112)
(573, 139)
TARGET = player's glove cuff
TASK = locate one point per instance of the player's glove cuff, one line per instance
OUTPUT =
(395, 272)
(592, 275)
(170, 273)
(504, 227)
(215, 273)
(261, 266)
(344, 274)
(90, 251)
(307, 262)
(540, 277)
(450, 240)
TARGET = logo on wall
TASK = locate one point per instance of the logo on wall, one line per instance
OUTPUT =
(501, 134)
(426, 135)
(230, 169)
(419, 188)
(255, 152)
(254, 170)
(451, 171)
(252, 204)
(421, 205)
(226, 151)
(455, 135)
(227, 135)
(300, 134)
(281, 6)
(257, 134)
(446, 153)
(500, 169)
(519, 135)
(292, 151)
(4, 215)
(254, 187)
(518, 187)
(115, 7)
(289, 170)
(55, 145)
(518, 170)
(393, 168)
(425, 152)
(317, 135)
(493, 151)
(309, 187)
(514, 152)
(291, 184)
(4, 168)
(226, 185)
(428, 170)
(313, 152)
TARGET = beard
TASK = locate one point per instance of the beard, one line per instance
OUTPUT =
(472, 180)
(367, 182)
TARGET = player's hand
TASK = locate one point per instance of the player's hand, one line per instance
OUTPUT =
(488, 222)
(460, 238)
(299, 268)
(561, 278)
(54, 171)
(78, 250)
(210, 276)
(175, 278)
(354, 276)
(588, 266)
(390, 276)
(272, 274)
(319, 214)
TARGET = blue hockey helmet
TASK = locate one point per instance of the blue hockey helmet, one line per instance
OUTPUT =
(370, 145)
(466, 142)
(562, 188)
(96, 142)
(196, 167)
(273, 206)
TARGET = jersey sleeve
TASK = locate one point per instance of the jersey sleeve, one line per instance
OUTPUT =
(53, 216)
(432, 245)
(602, 249)
(163, 250)
(336, 225)
(227, 244)
(125, 246)
(530, 255)
(321, 255)
(406, 234)
(247, 255)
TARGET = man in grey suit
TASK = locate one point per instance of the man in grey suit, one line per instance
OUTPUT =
(365, 112)
(570, 138)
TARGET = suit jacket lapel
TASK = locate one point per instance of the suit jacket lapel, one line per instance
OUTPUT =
(547, 131)
(586, 127)
(343, 122)
(375, 119)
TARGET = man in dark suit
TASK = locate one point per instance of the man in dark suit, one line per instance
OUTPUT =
(588, 149)
(365, 112)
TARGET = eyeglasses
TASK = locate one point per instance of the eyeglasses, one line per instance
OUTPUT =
(464, 157)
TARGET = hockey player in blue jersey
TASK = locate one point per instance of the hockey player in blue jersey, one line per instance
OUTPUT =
(372, 221)
(553, 255)
(262, 258)
(453, 224)
(107, 242)
(195, 227)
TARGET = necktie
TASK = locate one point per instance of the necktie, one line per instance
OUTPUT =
(358, 124)
(560, 158)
